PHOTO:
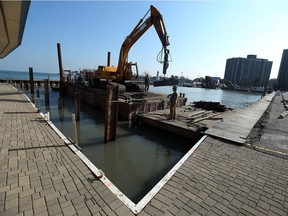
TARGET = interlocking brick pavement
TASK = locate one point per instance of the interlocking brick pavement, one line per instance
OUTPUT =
(221, 178)
(40, 175)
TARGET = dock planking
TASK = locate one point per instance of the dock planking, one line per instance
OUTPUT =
(237, 125)
(190, 121)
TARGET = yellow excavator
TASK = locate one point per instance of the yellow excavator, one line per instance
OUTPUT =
(124, 70)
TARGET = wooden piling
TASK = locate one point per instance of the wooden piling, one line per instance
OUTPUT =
(111, 113)
(48, 116)
(75, 129)
(46, 92)
(31, 80)
(60, 62)
(108, 58)
(38, 93)
(60, 103)
(26, 85)
(77, 106)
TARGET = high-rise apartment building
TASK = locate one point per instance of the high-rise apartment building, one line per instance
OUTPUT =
(250, 71)
(282, 79)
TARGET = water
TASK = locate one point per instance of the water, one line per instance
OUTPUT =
(231, 99)
(141, 156)
(135, 162)
(22, 75)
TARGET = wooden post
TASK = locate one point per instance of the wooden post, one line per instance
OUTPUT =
(37, 101)
(60, 104)
(26, 85)
(48, 116)
(108, 59)
(74, 129)
(111, 113)
(77, 106)
(60, 62)
(46, 91)
(31, 80)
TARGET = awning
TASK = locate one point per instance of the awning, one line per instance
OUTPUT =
(13, 15)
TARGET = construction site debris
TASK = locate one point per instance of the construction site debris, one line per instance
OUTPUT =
(209, 105)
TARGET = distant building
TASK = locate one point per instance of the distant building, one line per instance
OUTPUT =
(250, 71)
(282, 80)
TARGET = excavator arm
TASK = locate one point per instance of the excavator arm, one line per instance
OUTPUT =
(124, 70)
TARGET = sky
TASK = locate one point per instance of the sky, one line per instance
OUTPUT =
(203, 35)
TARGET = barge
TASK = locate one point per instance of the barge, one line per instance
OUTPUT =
(191, 122)
(129, 103)
(166, 82)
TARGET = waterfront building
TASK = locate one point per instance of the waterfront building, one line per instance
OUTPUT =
(282, 79)
(247, 72)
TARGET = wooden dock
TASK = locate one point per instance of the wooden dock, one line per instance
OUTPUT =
(190, 122)
(237, 126)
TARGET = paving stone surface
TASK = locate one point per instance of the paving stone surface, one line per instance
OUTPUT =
(220, 178)
(40, 175)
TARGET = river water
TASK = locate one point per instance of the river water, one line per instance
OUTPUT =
(229, 98)
(141, 156)
(24, 75)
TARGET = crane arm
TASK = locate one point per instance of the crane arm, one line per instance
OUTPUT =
(142, 26)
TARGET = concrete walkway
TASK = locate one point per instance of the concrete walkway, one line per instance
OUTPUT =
(40, 175)
(271, 134)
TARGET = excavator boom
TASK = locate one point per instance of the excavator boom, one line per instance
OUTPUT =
(124, 70)
(142, 26)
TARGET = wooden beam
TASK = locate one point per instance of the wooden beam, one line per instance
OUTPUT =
(111, 114)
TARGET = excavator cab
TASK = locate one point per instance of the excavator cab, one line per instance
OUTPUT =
(130, 71)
